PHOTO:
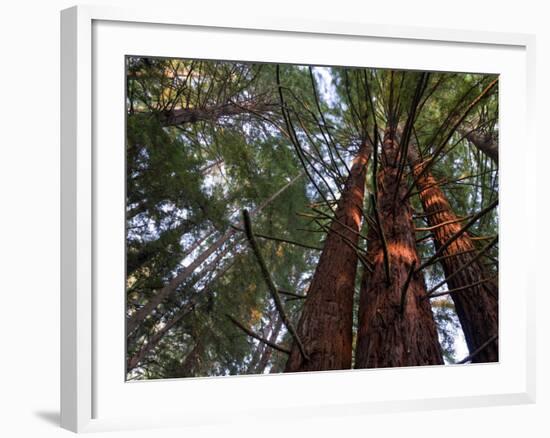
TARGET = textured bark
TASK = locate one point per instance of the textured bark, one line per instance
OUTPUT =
(386, 336)
(212, 113)
(486, 143)
(325, 326)
(476, 307)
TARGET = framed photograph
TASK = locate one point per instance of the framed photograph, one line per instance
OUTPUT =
(321, 212)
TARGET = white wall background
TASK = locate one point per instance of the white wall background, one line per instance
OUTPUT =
(29, 216)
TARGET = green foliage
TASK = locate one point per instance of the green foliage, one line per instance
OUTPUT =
(186, 185)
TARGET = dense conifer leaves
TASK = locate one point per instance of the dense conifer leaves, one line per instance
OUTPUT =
(304, 149)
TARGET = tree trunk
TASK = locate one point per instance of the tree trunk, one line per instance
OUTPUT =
(213, 113)
(267, 351)
(325, 326)
(486, 143)
(260, 349)
(476, 307)
(192, 362)
(141, 354)
(154, 340)
(387, 336)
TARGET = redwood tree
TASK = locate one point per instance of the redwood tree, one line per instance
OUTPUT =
(325, 326)
(297, 146)
(476, 299)
(396, 326)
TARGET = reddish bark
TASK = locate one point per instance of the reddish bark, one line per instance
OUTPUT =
(476, 307)
(325, 326)
(386, 336)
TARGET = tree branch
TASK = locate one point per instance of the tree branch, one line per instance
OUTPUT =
(459, 270)
(426, 167)
(478, 350)
(256, 336)
(291, 294)
(462, 288)
(442, 224)
(280, 239)
(270, 285)
(458, 234)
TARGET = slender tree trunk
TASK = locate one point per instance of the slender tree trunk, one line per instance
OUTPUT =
(263, 352)
(325, 326)
(476, 307)
(267, 351)
(191, 364)
(141, 354)
(154, 340)
(261, 347)
(258, 352)
(387, 336)
(161, 295)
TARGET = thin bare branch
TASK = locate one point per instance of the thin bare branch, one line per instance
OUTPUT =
(270, 285)
(256, 336)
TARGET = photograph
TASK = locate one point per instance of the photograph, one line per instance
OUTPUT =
(285, 218)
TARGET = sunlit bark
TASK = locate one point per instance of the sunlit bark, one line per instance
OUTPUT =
(389, 334)
(476, 307)
(325, 326)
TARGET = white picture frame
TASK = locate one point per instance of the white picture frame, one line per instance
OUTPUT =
(92, 41)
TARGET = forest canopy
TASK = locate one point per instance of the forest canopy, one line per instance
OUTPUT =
(286, 218)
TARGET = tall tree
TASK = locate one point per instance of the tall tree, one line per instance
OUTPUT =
(325, 325)
(297, 146)
(396, 325)
(476, 296)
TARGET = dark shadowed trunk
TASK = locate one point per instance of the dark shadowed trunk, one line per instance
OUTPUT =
(477, 306)
(388, 336)
(325, 326)
(192, 362)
